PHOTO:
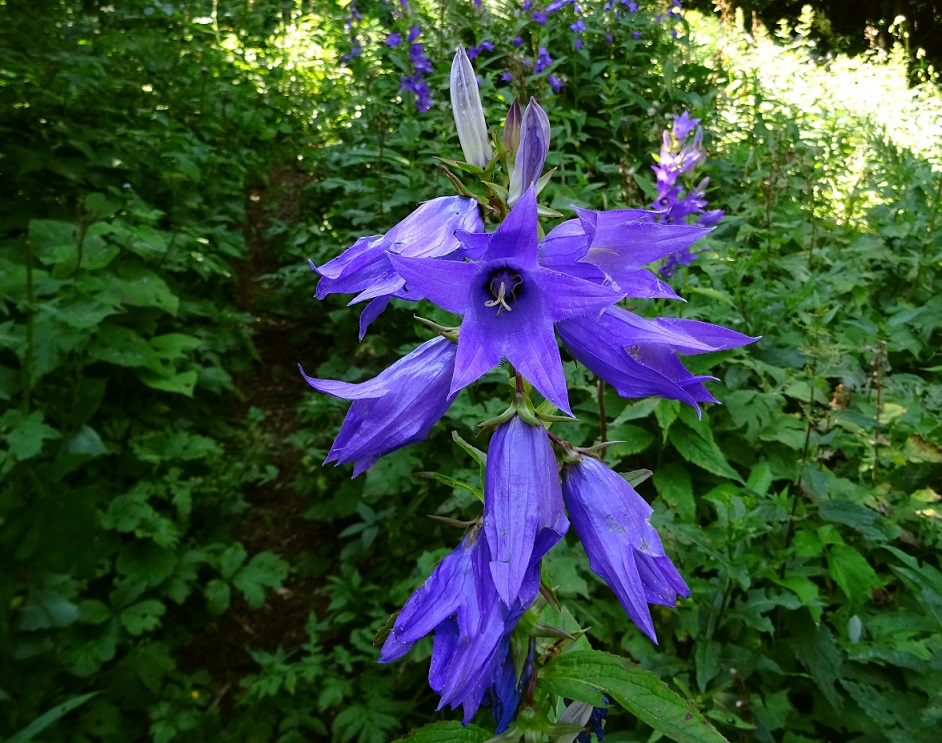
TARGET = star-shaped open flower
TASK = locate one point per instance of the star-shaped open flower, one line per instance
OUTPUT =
(509, 302)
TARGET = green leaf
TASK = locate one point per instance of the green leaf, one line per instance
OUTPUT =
(46, 719)
(27, 435)
(137, 286)
(142, 617)
(852, 514)
(699, 448)
(446, 732)
(672, 482)
(851, 571)
(182, 383)
(588, 675)
(266, 570)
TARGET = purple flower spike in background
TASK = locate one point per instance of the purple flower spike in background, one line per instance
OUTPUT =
(365, 269)
(509, 303)
(395, 409)
(523, 505)
(612, 522)
(680, 155)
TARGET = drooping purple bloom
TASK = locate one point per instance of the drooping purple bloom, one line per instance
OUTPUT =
(523, 506)
(613, 523)
(507, 77)
(638, 357)
(517, 42)
(531, 152)
(509, 302)
(555, 83)
(365, 269)
(393, 40)
(396, 408)
(539, 16)
(472, 628)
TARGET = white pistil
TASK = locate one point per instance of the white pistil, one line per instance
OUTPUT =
(500, 300)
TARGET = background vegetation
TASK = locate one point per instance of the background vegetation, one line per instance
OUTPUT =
(177, 564)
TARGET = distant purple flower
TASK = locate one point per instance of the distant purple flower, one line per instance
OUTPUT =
(517, 42)
(364, 269)
(543, 60)
(527, 4)
(507, 77)
(636, 34)
(613, 523)
(395, 409)
(484, 46)
(509, 303)
(539, 17)
(632, 6)
(414, 33)
(578, 26)
(555, 83)
(393, 40)
(577, 44)
(355, 50)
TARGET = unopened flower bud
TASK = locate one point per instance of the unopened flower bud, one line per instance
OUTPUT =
(511, 136)
(469, 114)
(531, 154)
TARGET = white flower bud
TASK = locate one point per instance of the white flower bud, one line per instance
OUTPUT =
(469, 114)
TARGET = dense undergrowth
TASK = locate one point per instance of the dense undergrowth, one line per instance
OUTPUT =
(803, 511)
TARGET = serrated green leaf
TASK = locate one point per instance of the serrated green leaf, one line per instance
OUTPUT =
(181, 383)
(265, 570)
(851, 571)
(699, 448)
(672, 482)
(26, 437)
(142, 617)
(446, 732)
(588, 675)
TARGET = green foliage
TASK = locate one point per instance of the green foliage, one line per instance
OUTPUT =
(803, 512)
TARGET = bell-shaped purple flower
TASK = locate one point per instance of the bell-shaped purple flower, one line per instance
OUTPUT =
(532, 151)
(472, 627)
(365, 269)
(523, 505)
(612, 521)
(396, 408)
(469, 114)
(509, 302)
(638, 357)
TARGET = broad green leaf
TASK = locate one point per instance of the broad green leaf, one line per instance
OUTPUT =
(142, 617)
(446, 732)
(137, 286)
(53, 241)
(590, 675)
(672, 482)
(45, 609)
(699, 448)
(182, 383)
(851, 571)
(265, 570)
(25, 439)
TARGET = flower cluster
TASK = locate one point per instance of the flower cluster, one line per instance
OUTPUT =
(517, 295)
(680, 155)
(420, 66)
(353, 18)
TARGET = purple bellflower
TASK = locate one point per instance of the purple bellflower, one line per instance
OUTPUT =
(509, 302)
(531, 151)
(472, 629)
(396, 408)
(638, 357)
(364, 268)
(555, 83)
(613, 522)
(523, 504)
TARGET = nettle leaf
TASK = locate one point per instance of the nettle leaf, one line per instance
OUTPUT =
(672, 482)
(589, 675)
(699, 448)
(181, 383)
(854, 515)
(231, 560)
(53, 241)
(851, 571)
(122, 346)
(266, 570)
(138, 286)
(446, 732)
(132, 513)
